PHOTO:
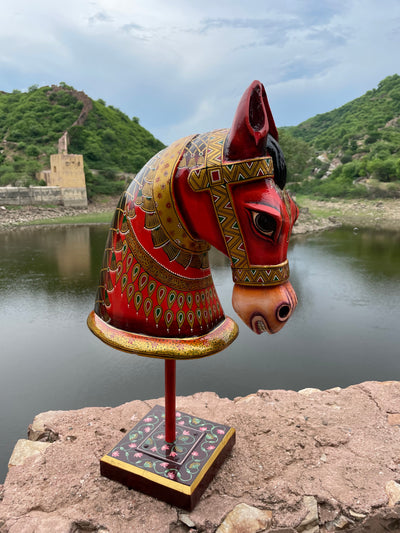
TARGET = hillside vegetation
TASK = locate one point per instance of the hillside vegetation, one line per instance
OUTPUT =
(32, 122)
(351, 151)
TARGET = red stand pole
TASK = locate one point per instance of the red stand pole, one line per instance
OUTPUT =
(170, 400)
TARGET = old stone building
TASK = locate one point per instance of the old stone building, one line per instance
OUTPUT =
(67, 173)
(66, 170)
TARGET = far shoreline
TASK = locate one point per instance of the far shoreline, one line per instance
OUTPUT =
(374, 214)
(315, 215)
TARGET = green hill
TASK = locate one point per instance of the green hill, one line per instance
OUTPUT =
(351, 151)
(32, 122)
(355, 149)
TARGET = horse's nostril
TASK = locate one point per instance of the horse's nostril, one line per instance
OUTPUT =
(283, 312)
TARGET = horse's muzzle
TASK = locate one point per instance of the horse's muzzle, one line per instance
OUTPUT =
(264, 308)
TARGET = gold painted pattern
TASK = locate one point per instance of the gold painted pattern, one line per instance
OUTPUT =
(161, 273)
(164, 202)
(215, 177)
(168, 348)
(262, 275)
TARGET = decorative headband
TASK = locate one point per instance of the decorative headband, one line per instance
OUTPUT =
(216, 177)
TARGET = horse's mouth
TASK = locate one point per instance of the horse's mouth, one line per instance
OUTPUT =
(259, 324)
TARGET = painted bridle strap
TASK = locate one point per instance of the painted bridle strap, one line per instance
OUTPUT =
(216, 177)
(262, 275)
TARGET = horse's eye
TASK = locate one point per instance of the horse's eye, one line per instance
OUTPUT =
(265, 223)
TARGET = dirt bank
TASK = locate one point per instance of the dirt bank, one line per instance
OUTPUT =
(12, 217)
(315, 215)
(375, 214)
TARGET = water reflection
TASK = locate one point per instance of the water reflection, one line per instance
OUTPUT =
(376, 252)
(53, 259)
(344, 331)
(73, 253)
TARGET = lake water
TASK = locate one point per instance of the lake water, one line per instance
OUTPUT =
(346, 328)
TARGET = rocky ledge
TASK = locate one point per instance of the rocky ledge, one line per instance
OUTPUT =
(306, 462)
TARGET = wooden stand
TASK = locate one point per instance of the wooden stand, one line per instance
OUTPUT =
(170, 455)
(170, 400)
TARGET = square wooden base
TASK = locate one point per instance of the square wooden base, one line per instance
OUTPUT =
(176, 473)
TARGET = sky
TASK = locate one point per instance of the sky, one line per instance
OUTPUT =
(182, 66)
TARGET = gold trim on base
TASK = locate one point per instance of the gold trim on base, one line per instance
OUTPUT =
(212, 342)
(169, 483)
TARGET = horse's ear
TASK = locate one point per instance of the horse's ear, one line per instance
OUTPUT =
(251, 125)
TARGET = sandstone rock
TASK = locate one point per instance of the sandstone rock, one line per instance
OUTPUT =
(24, 449)
(393, 492)
(394, 419)
(308, 391)
(310, 522)
(356, 516)
(41, 429)
(342, 522)
(322, 461)
(185, 519)
(245, 519)
(281, 530)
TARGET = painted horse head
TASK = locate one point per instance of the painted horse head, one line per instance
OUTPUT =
(226, 189)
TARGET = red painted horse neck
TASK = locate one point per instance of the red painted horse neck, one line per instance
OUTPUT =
(157, 279)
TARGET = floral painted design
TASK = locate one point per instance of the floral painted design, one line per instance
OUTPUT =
(145, 447)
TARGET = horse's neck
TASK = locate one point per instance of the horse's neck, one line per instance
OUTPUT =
(197, 208)
(157, 279)
(151, 199)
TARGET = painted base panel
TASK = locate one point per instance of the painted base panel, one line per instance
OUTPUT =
(176, 473)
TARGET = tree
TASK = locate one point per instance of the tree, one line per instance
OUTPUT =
(32, 150)
(383, 170)
(297, 154)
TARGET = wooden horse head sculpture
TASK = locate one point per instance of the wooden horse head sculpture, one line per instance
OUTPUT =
(223, 188)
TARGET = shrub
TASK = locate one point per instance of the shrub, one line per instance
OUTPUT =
(109, 136)
(383, 170)
(346, 158)
(32, 150)
(350, 171)
(138, 162)
(8, 178)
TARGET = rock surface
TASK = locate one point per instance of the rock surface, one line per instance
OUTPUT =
(24, 449)
(308, 461)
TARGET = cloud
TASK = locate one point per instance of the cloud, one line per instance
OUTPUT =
(181, 67)
(319, 13)
(101, 16)
(132, 27)
(207, 25)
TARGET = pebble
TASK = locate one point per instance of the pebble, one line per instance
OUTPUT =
(246, 519)
(393, 492)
